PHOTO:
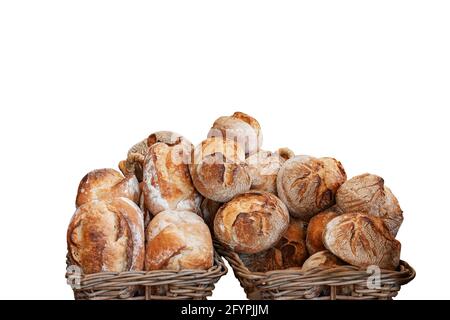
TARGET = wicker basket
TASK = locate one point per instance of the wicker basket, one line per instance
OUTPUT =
(151, 285)
(342, 283)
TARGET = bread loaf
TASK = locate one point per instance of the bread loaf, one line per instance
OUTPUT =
(135, 160)
(167, 181)
(107, 236)
(178, 240)
(308, 185)
(241, 128)
(322, 259)
(362, 240)
(104, 184)
(316, 226)
(289, 252)
(367, 193)
(263, 169)
(252, 222)
(218, 169)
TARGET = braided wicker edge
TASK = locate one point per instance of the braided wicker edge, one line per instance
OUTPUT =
(146, 285)
(343, 283)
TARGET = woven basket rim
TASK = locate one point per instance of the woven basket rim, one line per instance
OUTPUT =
(341, 275)
(218, 270)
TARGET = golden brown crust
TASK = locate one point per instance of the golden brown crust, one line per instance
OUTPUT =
(135, 160)
(107, 236)
(322, 259)
(105, 184)
(285, 153)
(241, 128)
(178, 240)
(308, 185)
(316, 226)
(263, 168)
(367, 193)
(362, 240)
(167, 181)
(218, 169)
(289, 252)
(252, 222)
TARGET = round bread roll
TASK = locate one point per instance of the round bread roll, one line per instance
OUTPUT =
(107, 236)
(178, 240)
(241, 128)
(322, 259)
(362, 240)
(263, 168)
(367, 193)
(218, 169)
(167, 182)
(252, 222)
(104, 184)
(209, 209)
(289, 252)
(136, 155)
(316, 226)
(135, 160)
(308, 185)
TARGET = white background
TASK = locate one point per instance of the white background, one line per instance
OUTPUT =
(367, 82)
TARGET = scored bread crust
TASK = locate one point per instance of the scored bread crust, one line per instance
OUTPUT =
(252, 222)
(367, 193)
(167, 181)
(178, 240)
(105, 184)
(107, 236)
(362, 240)
(241, 127)
(218, 169)
(308, 185)
(263, 168)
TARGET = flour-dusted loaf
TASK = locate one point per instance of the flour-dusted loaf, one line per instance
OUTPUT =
(241, 128)
(367, 193)
(316, 226)
(362, 240)
(104, 184)
(290, 252)
(167, 182)
(135, 160)
(308, 185)
(208, 210)
(218, 169)
(252, 222)
(322, 259)
(107, 236)
(263, 169)
(178, 240)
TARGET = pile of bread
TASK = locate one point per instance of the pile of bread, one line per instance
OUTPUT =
(277, 210)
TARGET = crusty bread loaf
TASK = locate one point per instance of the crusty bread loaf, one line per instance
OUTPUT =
(252, 222)
(362, 240)
(218, 169)
(104, 184)
(208, 210)
(367, 193)
(316, 226)
(135, 160)
(167, 181)
(322, 259)
(107, 236)
(263, 168)
(241, 128)
(289, 252)
(178, 240)
(308, 185)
